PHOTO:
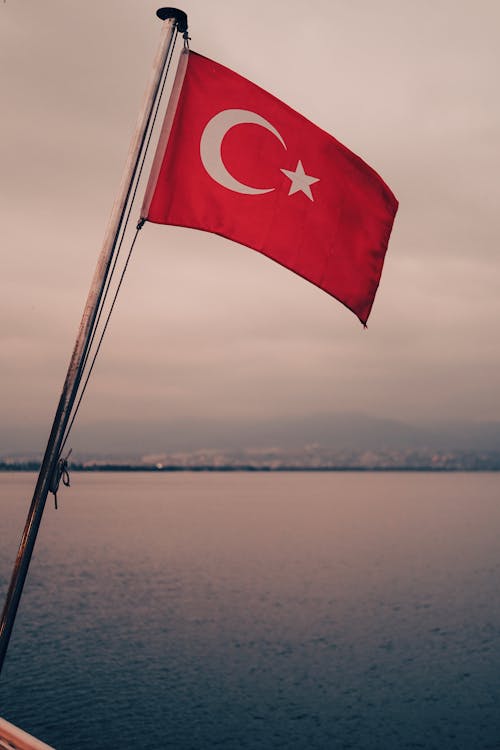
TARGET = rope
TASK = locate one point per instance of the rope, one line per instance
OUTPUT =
(108, 317)
(151, 128)
(129, 211)
(111, 274)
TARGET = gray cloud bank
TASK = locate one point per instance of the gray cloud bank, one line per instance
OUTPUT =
(208, 333)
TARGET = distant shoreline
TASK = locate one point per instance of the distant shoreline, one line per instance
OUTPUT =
(136, 468)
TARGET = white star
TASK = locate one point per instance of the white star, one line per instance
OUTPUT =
(300, 180)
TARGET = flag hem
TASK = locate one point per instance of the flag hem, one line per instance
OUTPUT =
(165, 132)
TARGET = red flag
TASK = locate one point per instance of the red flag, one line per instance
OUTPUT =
(235, 160)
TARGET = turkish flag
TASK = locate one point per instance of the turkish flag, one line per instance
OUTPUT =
(235, 160)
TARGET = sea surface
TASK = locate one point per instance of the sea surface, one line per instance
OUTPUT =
(258, 611)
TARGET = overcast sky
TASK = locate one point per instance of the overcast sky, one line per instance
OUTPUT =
(206, 329)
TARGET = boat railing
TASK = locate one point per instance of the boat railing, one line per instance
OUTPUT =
(13, 738)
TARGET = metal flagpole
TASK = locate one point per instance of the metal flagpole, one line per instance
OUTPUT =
(173, 20)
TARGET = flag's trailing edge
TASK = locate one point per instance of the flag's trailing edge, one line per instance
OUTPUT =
(234, 160)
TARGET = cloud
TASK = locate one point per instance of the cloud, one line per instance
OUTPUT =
(206, 329)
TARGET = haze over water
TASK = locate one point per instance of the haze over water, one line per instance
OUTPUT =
(258, 611)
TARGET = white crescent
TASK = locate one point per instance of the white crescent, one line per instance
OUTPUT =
(211, 143)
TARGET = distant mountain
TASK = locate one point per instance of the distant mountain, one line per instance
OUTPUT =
(342, 431)
(293, 435)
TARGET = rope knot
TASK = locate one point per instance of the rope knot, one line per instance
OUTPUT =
(61, 471)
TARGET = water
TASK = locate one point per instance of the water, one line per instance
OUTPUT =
(258, 611)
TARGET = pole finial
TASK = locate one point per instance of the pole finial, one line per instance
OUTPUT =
(179, 15)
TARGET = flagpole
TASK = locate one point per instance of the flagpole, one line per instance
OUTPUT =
(173, 20)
